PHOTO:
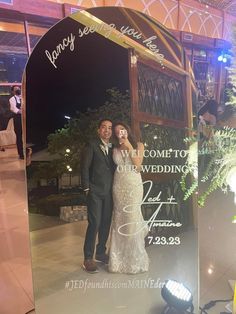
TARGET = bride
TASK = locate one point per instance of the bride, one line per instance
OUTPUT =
(128, 229)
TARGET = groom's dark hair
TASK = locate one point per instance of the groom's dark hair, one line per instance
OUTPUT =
(102, 120)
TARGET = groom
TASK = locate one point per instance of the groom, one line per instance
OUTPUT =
(97, 178)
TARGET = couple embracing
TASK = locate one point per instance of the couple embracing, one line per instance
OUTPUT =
(114, 195)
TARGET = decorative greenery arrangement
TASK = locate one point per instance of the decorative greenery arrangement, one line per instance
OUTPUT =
(192, 170)
(221, 149)
(217, 163)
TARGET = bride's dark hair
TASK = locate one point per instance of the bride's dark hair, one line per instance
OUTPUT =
(133, 140)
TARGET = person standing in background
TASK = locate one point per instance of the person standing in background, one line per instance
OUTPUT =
(208, 112)
(207, 116)
(15, 107)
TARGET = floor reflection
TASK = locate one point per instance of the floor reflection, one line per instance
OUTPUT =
(217, 238)
(62, 286)
(15, 261)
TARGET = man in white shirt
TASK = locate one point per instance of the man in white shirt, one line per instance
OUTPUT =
(15, 107)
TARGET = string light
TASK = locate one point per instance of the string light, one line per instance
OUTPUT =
(224, 57)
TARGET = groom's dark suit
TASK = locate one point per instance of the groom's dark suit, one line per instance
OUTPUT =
(97, 176)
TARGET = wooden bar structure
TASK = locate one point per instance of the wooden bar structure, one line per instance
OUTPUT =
(194, 24)
(181, 15)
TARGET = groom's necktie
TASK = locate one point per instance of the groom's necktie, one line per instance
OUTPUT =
(106, 149)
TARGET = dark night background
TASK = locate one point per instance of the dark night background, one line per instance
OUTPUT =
(80, 80)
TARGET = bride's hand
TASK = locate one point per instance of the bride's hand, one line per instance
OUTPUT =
(123, 136)
(126, 143)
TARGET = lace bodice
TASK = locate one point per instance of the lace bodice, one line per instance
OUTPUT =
(121, 157)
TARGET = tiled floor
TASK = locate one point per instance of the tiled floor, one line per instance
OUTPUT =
(38, 222)
(217, 246)
(15, 262)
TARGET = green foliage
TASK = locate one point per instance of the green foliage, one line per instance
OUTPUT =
(45, 170)
(78, 131)
(192, 166)
(217, 157)
(191, 190)
(188, 191)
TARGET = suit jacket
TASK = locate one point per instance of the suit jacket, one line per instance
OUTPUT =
(97, 168)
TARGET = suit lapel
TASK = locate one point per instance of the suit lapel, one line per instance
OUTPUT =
(110, 157)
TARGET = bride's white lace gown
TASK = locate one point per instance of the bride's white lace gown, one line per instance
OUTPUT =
(128, 229)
